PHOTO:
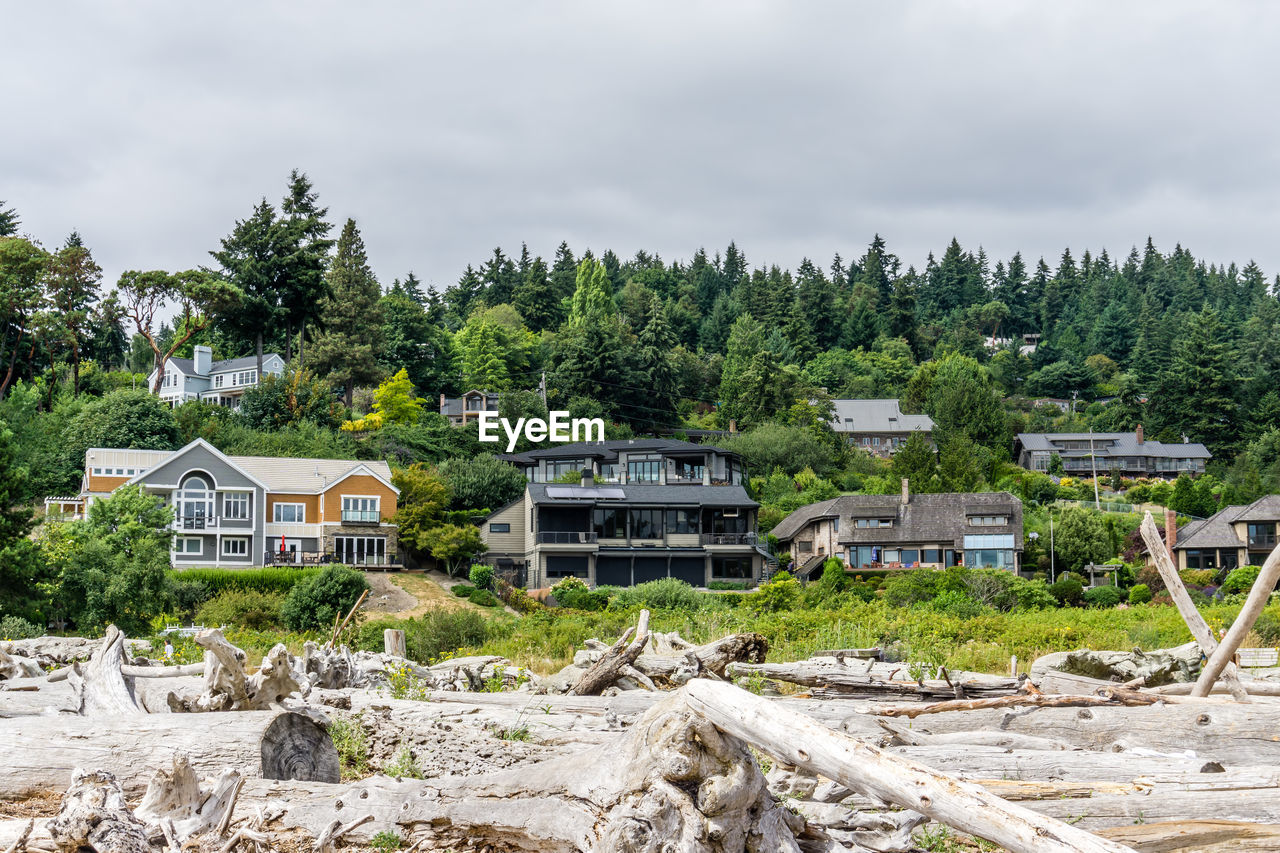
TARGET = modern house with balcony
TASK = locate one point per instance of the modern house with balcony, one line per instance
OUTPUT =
(877, 426)
(254, 510)
(1234, 536)
(219, 382)
(1129, 452)
(467, 408)
(892, 532)
(627, 533)
(633, 461)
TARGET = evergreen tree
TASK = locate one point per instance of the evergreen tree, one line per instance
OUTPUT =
(656, 343)
(499, 278)
(1196, 391)
(72, 284)
(9, 221)
(746, 342)
(878, 269)
(962, 402)
(861, 326)
(346, 352)
(564, 277)
(251, 258)
(410, 340)
(592, 294)
(1113, 333)
(462, 297)
(713, 334)
(304, 248)
(536, 300)
(20, 565)
(917, 463)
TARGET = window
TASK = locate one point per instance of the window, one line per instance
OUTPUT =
(988, 520)
(608, 472)
(835, 524)
(644, 471)
(217, 381)
(560, 467)
(873, 522)
(499, 528)
(646, 524)
(235, 505)
(892, 555)
(360, 509)
(188, 545)
(289, 514)
(605, 524)
(931, 555)
(682, 521)
(359, 550)
(235, 547)
(804, 547)
(910, 556)
(686, 470)
(737, 568)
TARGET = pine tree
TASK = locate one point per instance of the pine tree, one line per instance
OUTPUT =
(713, 334)
(462, 298)
(592, 294)
(861, 325)
(536, 300)
(878, 269)
(21, 568)
(499, 277)
(1196, 392)
(72, 284)
(656, 343)
(346, 351)
(564, 276)
(304, 247)
(251, 258)
(1113, 333)
(9, 221)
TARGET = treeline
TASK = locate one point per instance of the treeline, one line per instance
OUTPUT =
(1184, 347)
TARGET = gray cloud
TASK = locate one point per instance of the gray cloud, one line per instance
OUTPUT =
(794, 129)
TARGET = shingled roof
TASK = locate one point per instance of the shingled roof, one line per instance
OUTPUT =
(923, 518)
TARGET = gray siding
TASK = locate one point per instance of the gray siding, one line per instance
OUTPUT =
(199, 459)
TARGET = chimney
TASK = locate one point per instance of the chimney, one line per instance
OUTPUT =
(1170, 532)
(906, 491)
(1138, 433)
(443, 402)
(203, 360)
(588, 478)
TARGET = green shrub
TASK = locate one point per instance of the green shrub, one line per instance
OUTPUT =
(576, 595)
(1069, 591)
(903, 589)
(955, 603)
(1240, 580)
(17, 628)
(462, 590)
(268, 579)
(728, 585)
(662, 594)
(431, 637)
(258, 611)
(1268, 627)
(186, 596)
(319, 601)
(482, 576)
(1103, 596)
(1199, 577)
(483, 597)
(828, 588)
(1140, 594)
(781, 592)
(347, 733)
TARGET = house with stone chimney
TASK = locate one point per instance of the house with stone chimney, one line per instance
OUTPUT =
(221, 383)
(906, 531)
(1131, 453)
(1234, 536)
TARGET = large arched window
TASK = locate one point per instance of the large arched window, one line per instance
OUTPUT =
(193, 504)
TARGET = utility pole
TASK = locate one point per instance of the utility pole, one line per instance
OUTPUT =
(1097, 503)
(542, 387)
(1053, 564)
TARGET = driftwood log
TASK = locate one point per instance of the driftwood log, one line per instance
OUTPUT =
(100, 687)
(94, 815)
(1195, 622)
(870, 680)
(801, 742)
(617, 662)
(41, 753)
(226, 685)
(1259, 595)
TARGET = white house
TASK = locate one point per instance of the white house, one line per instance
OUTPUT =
(218, 382)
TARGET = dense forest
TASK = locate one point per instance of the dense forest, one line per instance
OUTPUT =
(1186, 348)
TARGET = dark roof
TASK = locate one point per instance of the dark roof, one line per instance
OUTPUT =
(641, 495)
(240, 363)
(454, 405)
(924, 518)
(1112, 444)
(608, 450)
(1263, 509)
(186, 365)
(1212, 532)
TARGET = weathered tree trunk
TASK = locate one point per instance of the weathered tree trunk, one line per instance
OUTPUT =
(101, 688)
(1259, 595)
(265, 744)
(1198, 836)
(617, 662)
(393, 642)
(227, 688)
(801, 742)
(1195, 622)
(94, 814)
(863, 681)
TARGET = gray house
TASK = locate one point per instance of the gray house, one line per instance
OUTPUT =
(661, 461)
(219, 382)
(888, 532)
(878, 426)
(1129, 452)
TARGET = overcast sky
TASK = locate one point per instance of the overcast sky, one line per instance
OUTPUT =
(795, 129)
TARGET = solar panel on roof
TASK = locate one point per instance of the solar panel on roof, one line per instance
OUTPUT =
(589, 492)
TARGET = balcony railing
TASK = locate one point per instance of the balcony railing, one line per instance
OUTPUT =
(562, 537)
(193, 522)
(1268, 539)
(360, 516)
(317, 558)
(728, 539)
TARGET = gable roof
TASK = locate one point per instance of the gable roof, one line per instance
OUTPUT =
(249, 361)
(926, 517)
(198, 443)
(1218, 530)
(876, 416)
(1112, 444)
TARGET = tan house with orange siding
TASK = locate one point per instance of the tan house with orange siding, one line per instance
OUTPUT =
(254, 510)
